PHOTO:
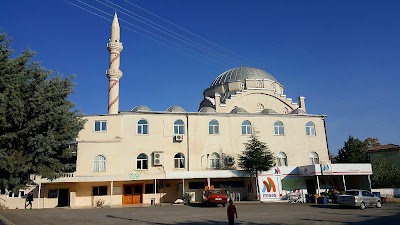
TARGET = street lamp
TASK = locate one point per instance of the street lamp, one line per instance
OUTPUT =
(201, 160)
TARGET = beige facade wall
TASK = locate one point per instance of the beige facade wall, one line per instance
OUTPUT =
(121, 152)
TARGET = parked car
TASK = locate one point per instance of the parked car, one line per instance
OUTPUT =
(359, 198)
(378, 194)
(215, 197)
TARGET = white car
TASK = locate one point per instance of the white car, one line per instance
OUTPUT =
(359, 198)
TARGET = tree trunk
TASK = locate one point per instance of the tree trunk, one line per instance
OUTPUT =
(257, 189)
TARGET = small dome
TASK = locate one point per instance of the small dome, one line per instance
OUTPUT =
(141, 108)
(241, 74)
(238, 110)
(268, 111)
(298, 111)
(207, 110)
(175, 108)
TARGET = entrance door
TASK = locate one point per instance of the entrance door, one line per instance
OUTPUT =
(63, 196)
(132, 194)
(137, 194)
(180, 189)
(311, 186)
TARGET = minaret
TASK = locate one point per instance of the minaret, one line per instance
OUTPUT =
(114, 46)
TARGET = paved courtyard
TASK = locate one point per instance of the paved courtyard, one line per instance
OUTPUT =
(249, 213)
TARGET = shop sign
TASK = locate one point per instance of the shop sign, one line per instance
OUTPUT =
(269, 188)
(326, 168)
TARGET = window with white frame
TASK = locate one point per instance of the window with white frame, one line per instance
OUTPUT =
(278, 128)
(214, 161)
(213, 127)
(246, 127)
(99, 164)
(179, 161)
(310, 128)
(282, 159)
(100, 125)
(179, 127)
(314, 159)
(142, 127)
(142, 162)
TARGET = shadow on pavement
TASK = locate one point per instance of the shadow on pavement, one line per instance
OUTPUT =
(206, 222)
(202, 205)
(332, 206)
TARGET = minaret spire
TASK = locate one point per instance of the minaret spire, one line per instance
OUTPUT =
(114, 46)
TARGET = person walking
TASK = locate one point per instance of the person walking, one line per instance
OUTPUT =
(231, 211)
(29, 199)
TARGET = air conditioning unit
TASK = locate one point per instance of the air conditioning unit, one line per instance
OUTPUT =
(158, 158)
(178, 137)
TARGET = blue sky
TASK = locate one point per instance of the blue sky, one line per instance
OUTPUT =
(343, 56)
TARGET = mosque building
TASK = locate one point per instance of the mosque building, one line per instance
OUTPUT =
(149, 157)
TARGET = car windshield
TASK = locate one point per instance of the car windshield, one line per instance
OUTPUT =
(354, 193)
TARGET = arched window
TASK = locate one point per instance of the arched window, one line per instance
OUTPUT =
(310, 129)
(142, 127)
(142, 162)
(214, 161)
(213, 127)
(278, 128)
(314, 159)
(246, 127)
(179, 127)
(179, 161)
(99, 164)
(282, 159)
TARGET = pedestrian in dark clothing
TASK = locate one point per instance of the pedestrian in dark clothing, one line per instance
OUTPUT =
(231, 211)
(29, 199)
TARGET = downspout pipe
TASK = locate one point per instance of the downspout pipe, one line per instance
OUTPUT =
(187, 142)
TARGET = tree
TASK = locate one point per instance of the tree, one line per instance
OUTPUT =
(354, 151)
(371, 143)
(256, 157)
(332, 157)
(386, 174)
(36, 119)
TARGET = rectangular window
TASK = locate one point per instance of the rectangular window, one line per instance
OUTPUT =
(100, 125)
(52, 193)
(197, 185)
(100, 190)
(149, 188)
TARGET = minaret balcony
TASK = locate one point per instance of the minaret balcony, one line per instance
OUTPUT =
(114, 73)
(114, 46)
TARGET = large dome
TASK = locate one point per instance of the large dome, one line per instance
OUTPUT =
(241, 74)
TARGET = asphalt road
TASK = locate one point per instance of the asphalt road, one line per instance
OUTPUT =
(249, 213)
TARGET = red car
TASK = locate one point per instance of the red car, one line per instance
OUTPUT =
(215, 197)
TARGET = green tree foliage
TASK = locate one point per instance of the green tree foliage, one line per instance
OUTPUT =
(256, 157)
(355, 150)
(386, 174)
(36, 119)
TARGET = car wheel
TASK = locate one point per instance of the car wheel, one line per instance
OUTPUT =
(378, 204)
(362, 205)
(223, 205)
